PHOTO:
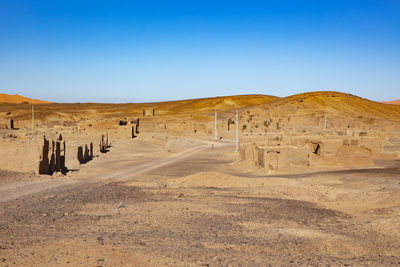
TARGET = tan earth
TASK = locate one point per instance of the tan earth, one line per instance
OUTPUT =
(175, 196)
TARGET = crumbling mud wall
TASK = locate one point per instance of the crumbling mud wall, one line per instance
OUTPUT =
(310, 152)
(127, 128)
(104, 143)
(85, 153)
(52, 157)
(10, 124)
(149, 112)
(280, 141)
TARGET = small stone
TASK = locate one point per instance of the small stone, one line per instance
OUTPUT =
(100, 240)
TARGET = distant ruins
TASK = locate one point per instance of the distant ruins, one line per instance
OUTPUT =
(52, 158)
(149, 112)
(287, 143)
(134, 130)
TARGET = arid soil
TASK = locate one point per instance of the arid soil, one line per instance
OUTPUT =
(172, 198)
(201, 210)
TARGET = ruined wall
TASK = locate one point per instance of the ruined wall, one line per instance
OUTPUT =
(52, 157)
(85, 153)
(310, 152)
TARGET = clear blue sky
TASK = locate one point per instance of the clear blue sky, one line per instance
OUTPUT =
(120, 51)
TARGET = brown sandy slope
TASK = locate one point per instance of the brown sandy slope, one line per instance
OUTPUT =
(394, 102)
(4, 98)
(334, 102)
(67, 111)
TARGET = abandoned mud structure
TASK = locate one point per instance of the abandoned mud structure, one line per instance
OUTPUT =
(10, 124)
(133, 132)
(137, 125)
(56, 161)
(149, 112)
(275, 143)
(85, 154)
(230, 121)
(104, 143)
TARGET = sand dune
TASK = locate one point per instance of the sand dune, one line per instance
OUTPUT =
(5, 98)
(394, 102)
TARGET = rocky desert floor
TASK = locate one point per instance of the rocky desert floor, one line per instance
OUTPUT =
(189, 202)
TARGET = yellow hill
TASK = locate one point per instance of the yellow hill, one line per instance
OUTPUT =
(334, 102)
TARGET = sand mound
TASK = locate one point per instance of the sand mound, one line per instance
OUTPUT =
(16, 99)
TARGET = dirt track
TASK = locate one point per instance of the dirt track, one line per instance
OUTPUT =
(15, 190)
(163, 215)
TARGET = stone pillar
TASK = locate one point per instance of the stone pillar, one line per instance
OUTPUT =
(103, 145)
(86, 154)
(91, 150)
(62, 159)
(133, 132)
(80, 154)
(44, 158)
(52, 166)
(10, 124)
(58, 156)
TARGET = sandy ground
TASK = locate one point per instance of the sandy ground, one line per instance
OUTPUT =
(149, 206)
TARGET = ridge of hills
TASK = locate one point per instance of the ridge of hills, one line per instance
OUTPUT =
(304, 103)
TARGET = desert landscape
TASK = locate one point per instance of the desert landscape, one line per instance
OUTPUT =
(248, 180)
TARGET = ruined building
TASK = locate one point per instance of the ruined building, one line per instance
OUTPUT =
(52, 158)
(85, 154)
(104, 143)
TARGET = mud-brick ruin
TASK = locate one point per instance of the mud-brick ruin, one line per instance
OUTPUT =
(289, 144)
(10, 124)
(104, 143)
(52, 158)
(85, 154)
